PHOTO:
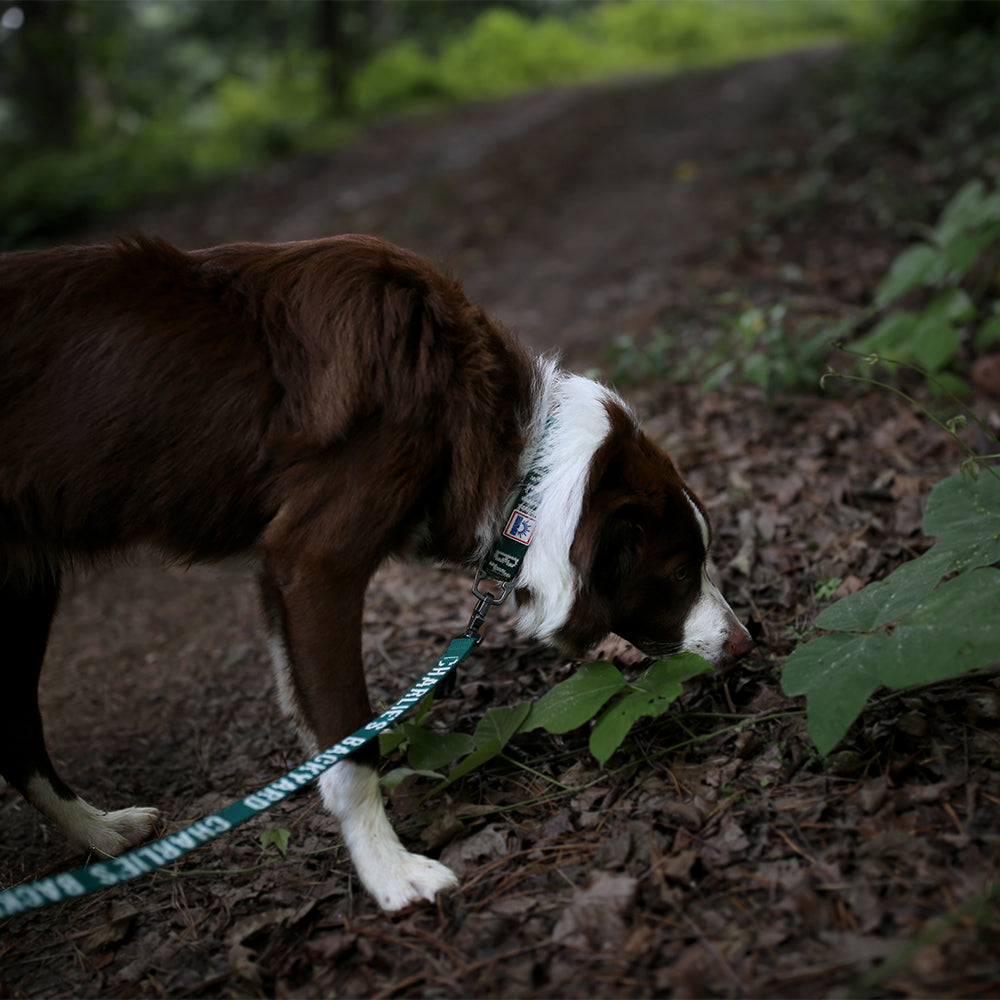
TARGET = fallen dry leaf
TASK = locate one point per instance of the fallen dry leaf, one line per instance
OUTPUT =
(595, 916)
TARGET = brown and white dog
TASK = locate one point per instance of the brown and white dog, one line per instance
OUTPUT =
(322, 405)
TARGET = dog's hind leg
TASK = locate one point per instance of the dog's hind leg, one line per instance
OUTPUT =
(314, 619)
(26, 610)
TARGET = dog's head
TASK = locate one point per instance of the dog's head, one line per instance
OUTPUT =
(636, 559)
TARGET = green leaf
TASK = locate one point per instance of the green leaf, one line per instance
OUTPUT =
(720, 374)
(391, 781)
(663, 674)
(390, 740)
(613, 726)
(492, 734)
(933, 343)
(964, 514)
(930, 338)
(948, 384)
(953, 305)
(990, 208)
(654, 692)
(908, 271)
(890, 335)
(886, 600)
(957, 257)
(430, 751)
(759, 369)
(956, 629)
(837, 674)
(751, 324)
(484, 752)
(988, 332)
(576, 700)
(280, 836)
(968, 208)
(501, 723)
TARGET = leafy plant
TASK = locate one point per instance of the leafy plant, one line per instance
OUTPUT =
(765, 352)
(597, 691)
(279, 836)
(935, 617)
(827, 589)
(768, 354)
(931, 619)
(583, 696)
(626, 360)
(506, 50)
(955, 269)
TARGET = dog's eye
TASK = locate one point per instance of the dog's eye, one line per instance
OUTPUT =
(680, 575)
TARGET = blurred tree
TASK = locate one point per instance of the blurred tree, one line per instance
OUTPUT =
(934, 21)
(344, 37)
(42, 70)
(102, 103)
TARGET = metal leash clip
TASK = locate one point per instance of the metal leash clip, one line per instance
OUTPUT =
(485, 601)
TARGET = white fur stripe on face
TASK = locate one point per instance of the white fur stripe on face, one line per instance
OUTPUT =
(579, 407)
(706, 533)
(708, 623)
(711, 622)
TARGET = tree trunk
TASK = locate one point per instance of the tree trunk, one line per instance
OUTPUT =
(44, 73)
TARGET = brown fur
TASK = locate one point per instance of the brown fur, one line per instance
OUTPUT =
(193, 400)
(323, 403)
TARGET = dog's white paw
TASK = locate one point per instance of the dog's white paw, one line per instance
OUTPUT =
(407, 879)
(89, 829)
(92, 831)
(394, 876)
(115, 832)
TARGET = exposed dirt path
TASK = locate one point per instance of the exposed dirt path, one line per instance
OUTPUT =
(566, 213)
(717, 856)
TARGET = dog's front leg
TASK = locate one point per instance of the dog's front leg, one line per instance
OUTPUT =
(314, 620)
(394, 876)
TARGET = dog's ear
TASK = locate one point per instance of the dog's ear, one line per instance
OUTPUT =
(609, 542)
(610, 536)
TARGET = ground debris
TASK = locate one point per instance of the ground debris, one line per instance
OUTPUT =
(717, 855)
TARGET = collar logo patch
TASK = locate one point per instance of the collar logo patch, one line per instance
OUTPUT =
(520, 527)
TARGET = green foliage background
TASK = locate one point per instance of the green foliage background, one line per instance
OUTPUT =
(168, 95)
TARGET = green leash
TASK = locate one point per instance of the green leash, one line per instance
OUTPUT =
(502, 564)
(149, 857)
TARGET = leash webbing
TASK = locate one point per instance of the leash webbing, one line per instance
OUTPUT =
(502, 564)
(150, 857)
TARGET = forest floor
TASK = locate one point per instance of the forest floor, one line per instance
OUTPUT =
(717, 855)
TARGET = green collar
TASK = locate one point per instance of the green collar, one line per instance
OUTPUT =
(504, 560)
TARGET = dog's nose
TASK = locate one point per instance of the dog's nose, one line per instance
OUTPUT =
(738, 643)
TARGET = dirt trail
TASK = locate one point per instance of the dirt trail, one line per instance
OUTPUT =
(567, 213)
